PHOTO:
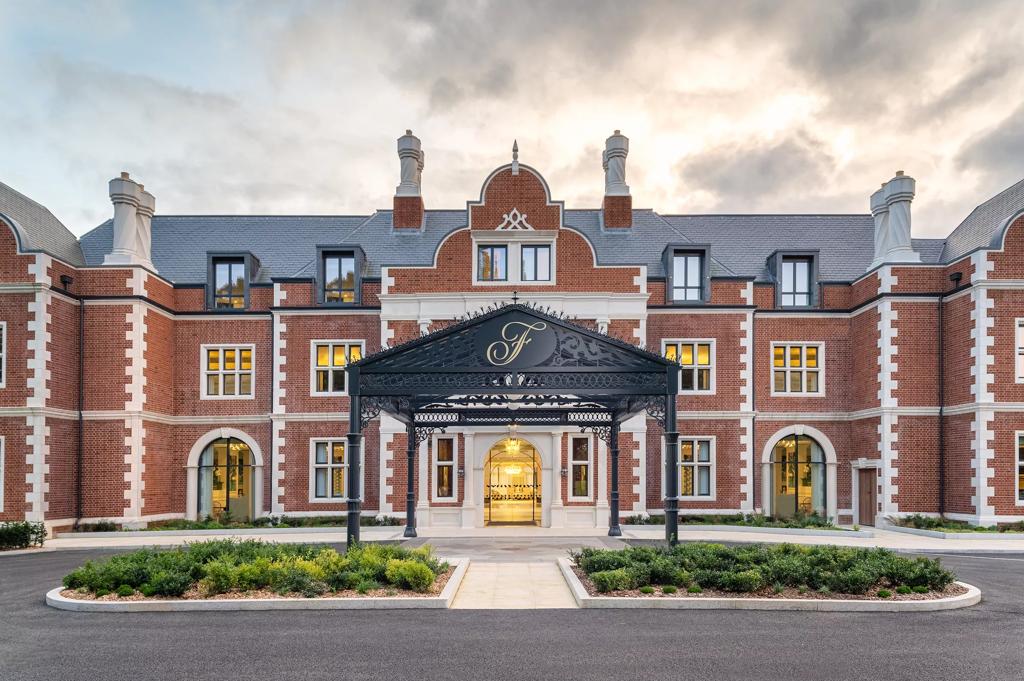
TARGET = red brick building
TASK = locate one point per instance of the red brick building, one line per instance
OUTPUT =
(180, 366)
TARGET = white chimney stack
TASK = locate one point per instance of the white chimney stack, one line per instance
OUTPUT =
(890, 207)
(616, 148)
(411, 156)
(133, 211)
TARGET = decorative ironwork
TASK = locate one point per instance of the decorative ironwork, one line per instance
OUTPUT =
(603, 432)
(371, 407)
(422, 433)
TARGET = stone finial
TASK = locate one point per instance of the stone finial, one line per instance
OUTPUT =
(515, 157)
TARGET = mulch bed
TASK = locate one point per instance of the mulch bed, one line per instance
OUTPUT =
(266, 594)
(767, 592)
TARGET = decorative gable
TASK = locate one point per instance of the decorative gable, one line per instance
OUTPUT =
(514, 221)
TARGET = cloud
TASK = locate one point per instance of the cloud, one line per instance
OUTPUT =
(998, 151)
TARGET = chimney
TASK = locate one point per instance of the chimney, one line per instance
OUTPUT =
(125, 194)
(892, 232)
(618, 204)
(144, 235)
(408, 213)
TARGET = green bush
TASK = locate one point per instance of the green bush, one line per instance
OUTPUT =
(125, 590)
(147, 590)
(669, 589)
(694, 589)
(21, 535)
(647, 589)
(599, 560)
(612, 580)
(100, 593)
(170, 583)
(884, 593)
(745, 581)
(919, 589)
(410, 574)
(856, 580)
(220, 576)
(98, 526)
(904, 589)
(365, 586)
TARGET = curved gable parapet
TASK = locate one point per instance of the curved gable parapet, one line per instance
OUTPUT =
(20, 236)
(999, 236)
(517, 188)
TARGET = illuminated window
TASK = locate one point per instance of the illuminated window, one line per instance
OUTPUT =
(3, 354)
(227, 372)
(687, 277)
(492, 263)
(1020, 468)
(797, 369)
(339, 277)
(329, 362)
(229, 283)
(696, 468)
(796, 282)
(579, 468)
(1019, 358)
(444, 468)
(329, 468)
(536, 262)
(697, 359)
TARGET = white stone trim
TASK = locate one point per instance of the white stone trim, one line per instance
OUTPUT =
(192, 468)
(311, 478)
(591, 452)
(803, 368)
(1017, 461)
(747, 465)
(204, 372)
(713, 356)
(277, 493)
(640, 471)
(313, 392)
(454, 498)
(831, 502)
(855, 467)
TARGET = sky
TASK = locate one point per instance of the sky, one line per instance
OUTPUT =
(294, 108)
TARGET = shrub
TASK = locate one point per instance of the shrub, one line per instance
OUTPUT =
(297, 580)
(904, 589)
(100, 593)
(694, 589)
(220, 576)
(669, 589)
(170, 583)
(98, 526)
(600, 560)
(147, 590)
(647, 589)
(253, 575)
(365, 586)
(612, 580)
(856, 580)
(21, 535)
(884, 593)
(125, 590)
(744, 581)
(920, 589)
(409, 574)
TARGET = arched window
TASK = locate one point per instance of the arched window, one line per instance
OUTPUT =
(225, 480)
(798, 477)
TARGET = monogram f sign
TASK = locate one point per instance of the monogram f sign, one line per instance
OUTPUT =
(516, 341)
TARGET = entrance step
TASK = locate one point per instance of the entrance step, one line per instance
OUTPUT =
(513, 586)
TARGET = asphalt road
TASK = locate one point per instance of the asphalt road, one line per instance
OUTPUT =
(980, 643)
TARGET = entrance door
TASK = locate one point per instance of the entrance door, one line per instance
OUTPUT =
(867, 495)
(512, 494)
(225, 480)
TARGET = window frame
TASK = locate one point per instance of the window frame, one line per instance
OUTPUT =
(775, 266)
(250, 265)
(711, 464)
(3, 469)
(435, 464)
(204, 371)
(665, 342)
(1018, 468)
(1018, 356)
(313, 367)
(668, 262)
(480, 247)
(313, 466)
(535, 247)
(339, 250)
(571, 464)
(819, 345)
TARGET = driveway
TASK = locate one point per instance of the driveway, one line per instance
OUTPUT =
(37, 642)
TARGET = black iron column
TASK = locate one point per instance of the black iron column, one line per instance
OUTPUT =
(410, 478)
(613, 519)
(355, 427)
(671, 465)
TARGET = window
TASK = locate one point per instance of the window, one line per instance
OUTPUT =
(329, 469)
(536, 263)
(687, 277)
(579, 468)
(492, 263)
(227, 372)
(796, 282)
(1020, 467)
(796, 369)
(2, 448)
(696, 468)
(697, 361)
(330, 358)
(1019, 359)
(444, 468)
(339, 277)
(229, 283)
(3, 356)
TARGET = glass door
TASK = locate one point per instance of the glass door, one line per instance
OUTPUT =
(225, 481)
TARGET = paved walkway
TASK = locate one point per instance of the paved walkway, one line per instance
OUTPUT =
(513, 586)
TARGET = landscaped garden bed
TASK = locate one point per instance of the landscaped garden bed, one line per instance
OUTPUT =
(21, 535)
(949, 526)
(779, 571)
(225, 522)
(799, 521)
(227, 569)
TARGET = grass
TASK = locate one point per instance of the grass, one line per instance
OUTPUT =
(760, 568)
(922, 522)
(225, 566)
(799, 521)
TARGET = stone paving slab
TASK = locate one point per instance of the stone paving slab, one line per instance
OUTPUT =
(513, 586)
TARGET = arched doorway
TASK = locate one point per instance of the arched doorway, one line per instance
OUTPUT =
(512, 484)
(798, 477)
(224, 480)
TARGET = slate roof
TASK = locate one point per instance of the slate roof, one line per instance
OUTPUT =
(978, 228)
(39, 230)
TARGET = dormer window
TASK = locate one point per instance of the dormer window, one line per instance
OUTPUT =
(339, 277)
(796, 282)
(686, 274)
(536, 263)
(492, 263)
(228, 277)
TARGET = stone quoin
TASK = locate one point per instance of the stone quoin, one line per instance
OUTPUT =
(182, 366)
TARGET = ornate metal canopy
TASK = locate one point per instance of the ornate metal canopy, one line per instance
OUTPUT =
(514, 363)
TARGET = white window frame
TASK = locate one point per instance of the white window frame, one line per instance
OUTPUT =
(1018, 459)
(514, 241)
(435, 464)
(788, 369)
(3, 470)
(205, 372)
(522, 253)
(795, 260)
(1018, 358)
(313, 442)
(689, 259)
(313, 366)
(589, 496)
(3, 361)
(693, 367)
(712, 464)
